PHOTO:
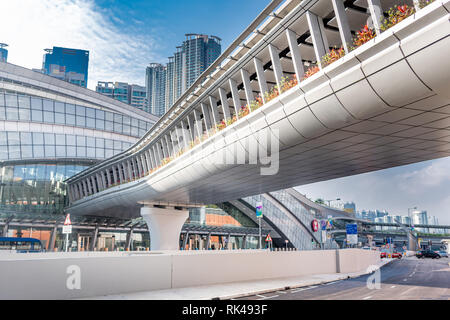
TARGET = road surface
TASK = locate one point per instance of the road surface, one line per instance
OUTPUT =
(408, 278)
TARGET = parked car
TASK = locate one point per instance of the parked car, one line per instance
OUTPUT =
(396, 255)
(442, 253)
(427, 254)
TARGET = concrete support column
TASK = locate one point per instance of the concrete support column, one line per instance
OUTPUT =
(184, 135)
(164, 226)
(276, 64)
(198, 124)
(85, 188)
(129, 170)
(244, 242)
(342, 21)
(225, 105)
(108, 177)
(94, 239)
(70, 193)
(318, 35)
(89, 185)
(214, 113)
(376, 12)
(137, 160)
(158, 152)
(149, 160)
(228, 242)
(115, 177)
(153, 157)
(175, 141)
(94, 185)
(191, 122)
(129, 239)
(247, 87)
(51, 245)
(99, 182)
(208, 241)
(262, 82)
(145, 168)
(185, 240)
(168, 145)
(235, 96)
(295, 53)
(206, 117)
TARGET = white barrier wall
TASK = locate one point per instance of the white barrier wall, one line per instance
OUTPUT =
(56, 275)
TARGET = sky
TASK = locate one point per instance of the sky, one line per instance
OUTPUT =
(123, 37)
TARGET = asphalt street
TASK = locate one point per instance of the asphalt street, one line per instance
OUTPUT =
(405, 279)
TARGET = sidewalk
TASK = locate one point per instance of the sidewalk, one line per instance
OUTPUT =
(234, 290)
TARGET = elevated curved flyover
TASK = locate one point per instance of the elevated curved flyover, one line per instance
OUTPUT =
(347, 119)
(382, 105)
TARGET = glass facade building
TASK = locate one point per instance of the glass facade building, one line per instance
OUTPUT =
(165, 84)
(155, 82)
(133, 94)
(51, 130)
(3, 52)
(66, 64)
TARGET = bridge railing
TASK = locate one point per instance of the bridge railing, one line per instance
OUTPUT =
(288, 50)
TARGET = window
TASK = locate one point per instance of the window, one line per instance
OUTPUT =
(12, 113)
(100, 143)
(49, 116)
(13, 138)
(10, 100)
(60, 151)
(36, 103)
(38, 151)
(38, 138)
(25, 138)
(70, 119)
(81, 121)
(24, 114)
(90, 112)
(81, 141)
(36, 115)
(90, 142)
(70, 108)
(60, 139)
(48, 105)
(59, 118)
(71, 140)
(81, 152)
(59, 107)
(24, 102)
(49, 138)
(27, 152)
(100, 124)
(50, 151)
(81, 111)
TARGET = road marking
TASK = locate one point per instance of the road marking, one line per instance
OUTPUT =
(393, 286)
(283, 292)
(366, 298)
(269, 297)
(405, 279)
(261, 296)
(327, 284)
(303, 289)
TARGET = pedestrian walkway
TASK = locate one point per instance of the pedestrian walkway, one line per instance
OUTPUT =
(235, 290)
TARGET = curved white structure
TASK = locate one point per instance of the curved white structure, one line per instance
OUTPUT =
(382, 105)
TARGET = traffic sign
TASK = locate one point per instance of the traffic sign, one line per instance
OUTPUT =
(67, 229)
(352, 228)
(315, 225)
(268, 238)
(67, 222)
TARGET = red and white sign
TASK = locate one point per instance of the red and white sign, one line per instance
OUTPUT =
(67, 222)
(67, 227)
(315, 225)
(268, 238)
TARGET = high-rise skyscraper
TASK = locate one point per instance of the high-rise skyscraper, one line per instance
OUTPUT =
(3, 52)
(200, 51)
(67, 64)
(190, 60)
(131, 94)
(155, 82)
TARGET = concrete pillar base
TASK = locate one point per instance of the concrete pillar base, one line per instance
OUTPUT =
(164, 226)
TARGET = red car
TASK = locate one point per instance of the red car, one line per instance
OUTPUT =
(397, 255)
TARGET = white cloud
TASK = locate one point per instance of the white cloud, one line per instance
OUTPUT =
(116, 53)
(431, 176)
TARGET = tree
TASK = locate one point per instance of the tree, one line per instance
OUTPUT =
(320, 201)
